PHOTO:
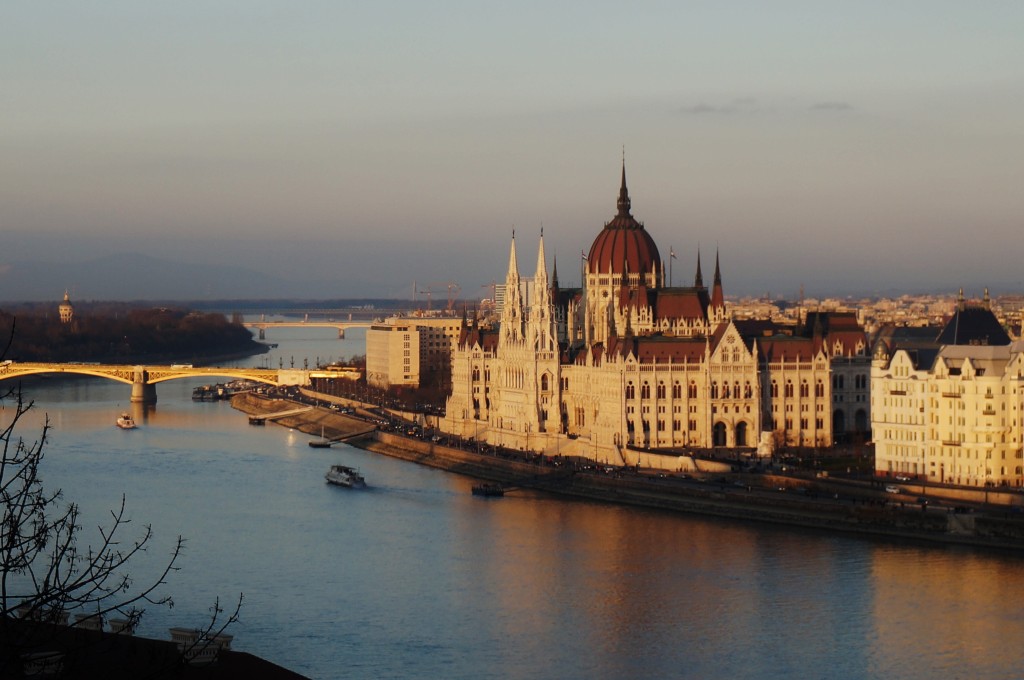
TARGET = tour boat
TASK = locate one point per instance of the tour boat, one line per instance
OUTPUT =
(341, 475)
(126, 422)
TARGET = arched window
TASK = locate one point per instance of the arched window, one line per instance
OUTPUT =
(736, 389)
(630, 391)
(789, 388)
(677, 390)
(692, 391)
(476, 374)
(748, 391)
(741, 434)
(805, 391)
(661, 390)
(819, 389)
(645, 391)
(775, 389)
(714, 390)
(544, 383)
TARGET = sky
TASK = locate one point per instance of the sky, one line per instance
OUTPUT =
(843, 147)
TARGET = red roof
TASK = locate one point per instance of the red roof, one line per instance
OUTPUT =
(623, 245)
(681, 303)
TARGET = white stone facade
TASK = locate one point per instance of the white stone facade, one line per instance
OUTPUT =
(955, 420)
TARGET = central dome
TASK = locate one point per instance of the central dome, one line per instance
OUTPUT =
(623, 245)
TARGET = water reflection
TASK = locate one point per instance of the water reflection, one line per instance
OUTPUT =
(417, 578)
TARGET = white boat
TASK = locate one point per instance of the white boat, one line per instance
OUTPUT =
(126, 422)
(342, 475)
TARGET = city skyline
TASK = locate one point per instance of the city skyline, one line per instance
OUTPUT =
(371, 147)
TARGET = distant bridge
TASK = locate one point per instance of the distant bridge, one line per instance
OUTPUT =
(340, 325)
(143, 379)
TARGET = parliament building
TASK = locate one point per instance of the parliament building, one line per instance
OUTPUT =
(628, 370)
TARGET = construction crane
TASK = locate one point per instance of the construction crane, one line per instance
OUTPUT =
(452, 289)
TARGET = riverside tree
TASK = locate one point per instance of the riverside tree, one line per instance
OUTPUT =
(45, 572)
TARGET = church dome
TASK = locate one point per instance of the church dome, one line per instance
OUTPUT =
(623, 245)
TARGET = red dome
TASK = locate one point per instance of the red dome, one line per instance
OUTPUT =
(623, 245)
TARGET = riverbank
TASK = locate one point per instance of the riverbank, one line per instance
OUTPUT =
(831, 505)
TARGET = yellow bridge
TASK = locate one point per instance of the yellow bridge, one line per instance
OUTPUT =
(143, 379)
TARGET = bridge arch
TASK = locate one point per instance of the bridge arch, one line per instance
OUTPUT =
(143, 379)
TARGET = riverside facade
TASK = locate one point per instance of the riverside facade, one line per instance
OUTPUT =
(627, 370)
(950, 410)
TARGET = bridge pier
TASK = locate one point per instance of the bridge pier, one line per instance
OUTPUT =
(341, 334)
(263, 333)
(142, 392)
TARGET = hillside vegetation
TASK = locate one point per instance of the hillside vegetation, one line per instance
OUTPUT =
(159, 334)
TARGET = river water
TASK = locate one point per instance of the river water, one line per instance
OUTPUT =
(415, 577)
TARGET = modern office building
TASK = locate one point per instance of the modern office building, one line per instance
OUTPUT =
(410, 351)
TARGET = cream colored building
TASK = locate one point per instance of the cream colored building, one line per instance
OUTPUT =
(405, 351)
(628, 368)
(952, 413)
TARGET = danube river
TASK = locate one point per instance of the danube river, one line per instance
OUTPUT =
(414, 577)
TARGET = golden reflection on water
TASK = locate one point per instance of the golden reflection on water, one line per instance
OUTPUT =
(957, 597)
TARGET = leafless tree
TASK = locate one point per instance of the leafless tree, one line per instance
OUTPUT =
(45, 573)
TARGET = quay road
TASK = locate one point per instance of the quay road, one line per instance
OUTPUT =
(143, 379)
(745, 493)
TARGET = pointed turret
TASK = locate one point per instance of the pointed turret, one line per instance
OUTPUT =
(540, 279)
(513, 264)
(623, 202)
(698, 280)
(513, 312)
(717, 296)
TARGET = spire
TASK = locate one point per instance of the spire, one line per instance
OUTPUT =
(698, 281)
(513, 265)
(717, 296)
(554, 272)
(541, 292)
(623, 202)
(513, 311)
(542, 267)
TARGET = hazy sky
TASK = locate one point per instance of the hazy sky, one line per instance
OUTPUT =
(839, 145)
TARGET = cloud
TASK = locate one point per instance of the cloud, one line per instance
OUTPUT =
(831, 106)
(744, 106)
(740, 105)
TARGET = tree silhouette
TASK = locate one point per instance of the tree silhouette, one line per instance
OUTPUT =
(44, 572)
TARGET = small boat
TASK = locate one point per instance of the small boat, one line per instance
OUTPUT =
(491, 490)
(257, 420)
(322, 443)
(126, 422)
(341, 475)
